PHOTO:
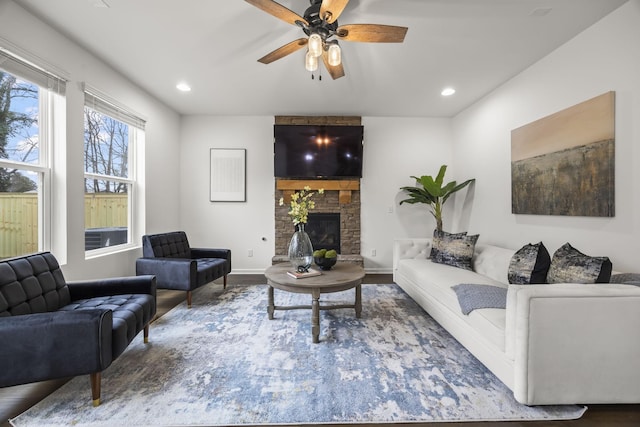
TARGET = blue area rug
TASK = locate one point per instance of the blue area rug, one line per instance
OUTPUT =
(224, 363)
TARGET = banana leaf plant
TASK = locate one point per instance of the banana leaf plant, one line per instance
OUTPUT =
(432, 192)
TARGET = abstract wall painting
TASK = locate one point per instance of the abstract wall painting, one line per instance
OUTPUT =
(564, 164)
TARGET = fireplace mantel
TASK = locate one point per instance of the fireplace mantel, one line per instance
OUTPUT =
(344, 186)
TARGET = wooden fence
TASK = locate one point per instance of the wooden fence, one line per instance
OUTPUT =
(19, 218)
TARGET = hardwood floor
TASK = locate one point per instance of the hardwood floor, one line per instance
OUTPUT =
(15, 400)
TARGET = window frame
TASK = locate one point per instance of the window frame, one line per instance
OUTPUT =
(51, 110)
(103, 104)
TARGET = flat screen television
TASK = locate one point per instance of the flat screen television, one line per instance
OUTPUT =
(308, 151)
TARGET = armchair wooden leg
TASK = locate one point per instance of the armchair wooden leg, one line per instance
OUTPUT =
(224, 285)
(95, 388)
(146, 333)
(189, 299)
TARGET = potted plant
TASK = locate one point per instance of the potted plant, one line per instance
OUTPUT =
(432, 192)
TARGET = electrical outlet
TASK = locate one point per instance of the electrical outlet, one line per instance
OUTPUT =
(373, 252)
(250, 253)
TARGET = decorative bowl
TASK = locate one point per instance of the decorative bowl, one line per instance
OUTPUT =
(325, 263)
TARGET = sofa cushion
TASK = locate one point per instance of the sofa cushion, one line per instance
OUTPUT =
(130, 313)
(455, 250)
(32, 284)
(209, 269)
(529, 264)
(492, 261)
(166, 245)
(435, 281)
(569, 265)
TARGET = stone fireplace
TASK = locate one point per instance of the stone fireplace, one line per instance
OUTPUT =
(341, 197)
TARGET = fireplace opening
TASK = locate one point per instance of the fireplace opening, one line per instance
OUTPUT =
(324, 230)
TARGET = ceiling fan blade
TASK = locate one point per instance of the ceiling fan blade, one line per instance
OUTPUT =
(336, 71)
(283, 51)
(330, 10)
(278, 10)
(372, 33)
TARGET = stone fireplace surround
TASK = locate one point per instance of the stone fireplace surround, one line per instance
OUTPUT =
(330, 202)
(340, 196)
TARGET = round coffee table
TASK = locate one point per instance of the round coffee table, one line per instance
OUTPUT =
(341, 277)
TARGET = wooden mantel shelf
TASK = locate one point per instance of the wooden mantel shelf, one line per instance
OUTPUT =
(344, 186)
(316, 184)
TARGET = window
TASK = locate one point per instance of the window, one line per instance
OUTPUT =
(31, 105)
(110, 137)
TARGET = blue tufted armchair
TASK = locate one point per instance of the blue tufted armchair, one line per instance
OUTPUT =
(51, 328)
(178, 266)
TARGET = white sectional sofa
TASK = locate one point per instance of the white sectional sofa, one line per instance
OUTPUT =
(553, 344)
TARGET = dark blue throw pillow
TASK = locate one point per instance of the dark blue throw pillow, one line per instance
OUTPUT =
(529, 265)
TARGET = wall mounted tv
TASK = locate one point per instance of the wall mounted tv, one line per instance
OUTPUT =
(310, 151)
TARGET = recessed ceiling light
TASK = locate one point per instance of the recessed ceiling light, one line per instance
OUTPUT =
(183, 87)
(448, 91)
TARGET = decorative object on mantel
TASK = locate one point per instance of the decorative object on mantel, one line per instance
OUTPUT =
(300, 248)
(320, 25)
(433, 193)
(564, 164)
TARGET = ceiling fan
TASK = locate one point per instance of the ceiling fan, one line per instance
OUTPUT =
(320, 24)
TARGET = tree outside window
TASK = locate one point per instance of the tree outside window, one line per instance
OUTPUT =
(107, 181)
(18, 131)
(20, 169)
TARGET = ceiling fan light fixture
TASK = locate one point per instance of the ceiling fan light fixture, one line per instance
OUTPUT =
(315, 44)
(335, 54)
(310, 62)
(319, 23)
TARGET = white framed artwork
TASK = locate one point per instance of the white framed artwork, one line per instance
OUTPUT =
(228, 175)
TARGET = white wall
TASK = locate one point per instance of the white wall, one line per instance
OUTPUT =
(239, 226)
(603, 58)
(159, 208)
(394, 149)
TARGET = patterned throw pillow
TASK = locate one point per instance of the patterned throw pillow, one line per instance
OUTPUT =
(529, 265)
(455, 250)
(569, 265)
(438, 236)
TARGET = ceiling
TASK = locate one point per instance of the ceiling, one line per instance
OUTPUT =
(472, 45)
